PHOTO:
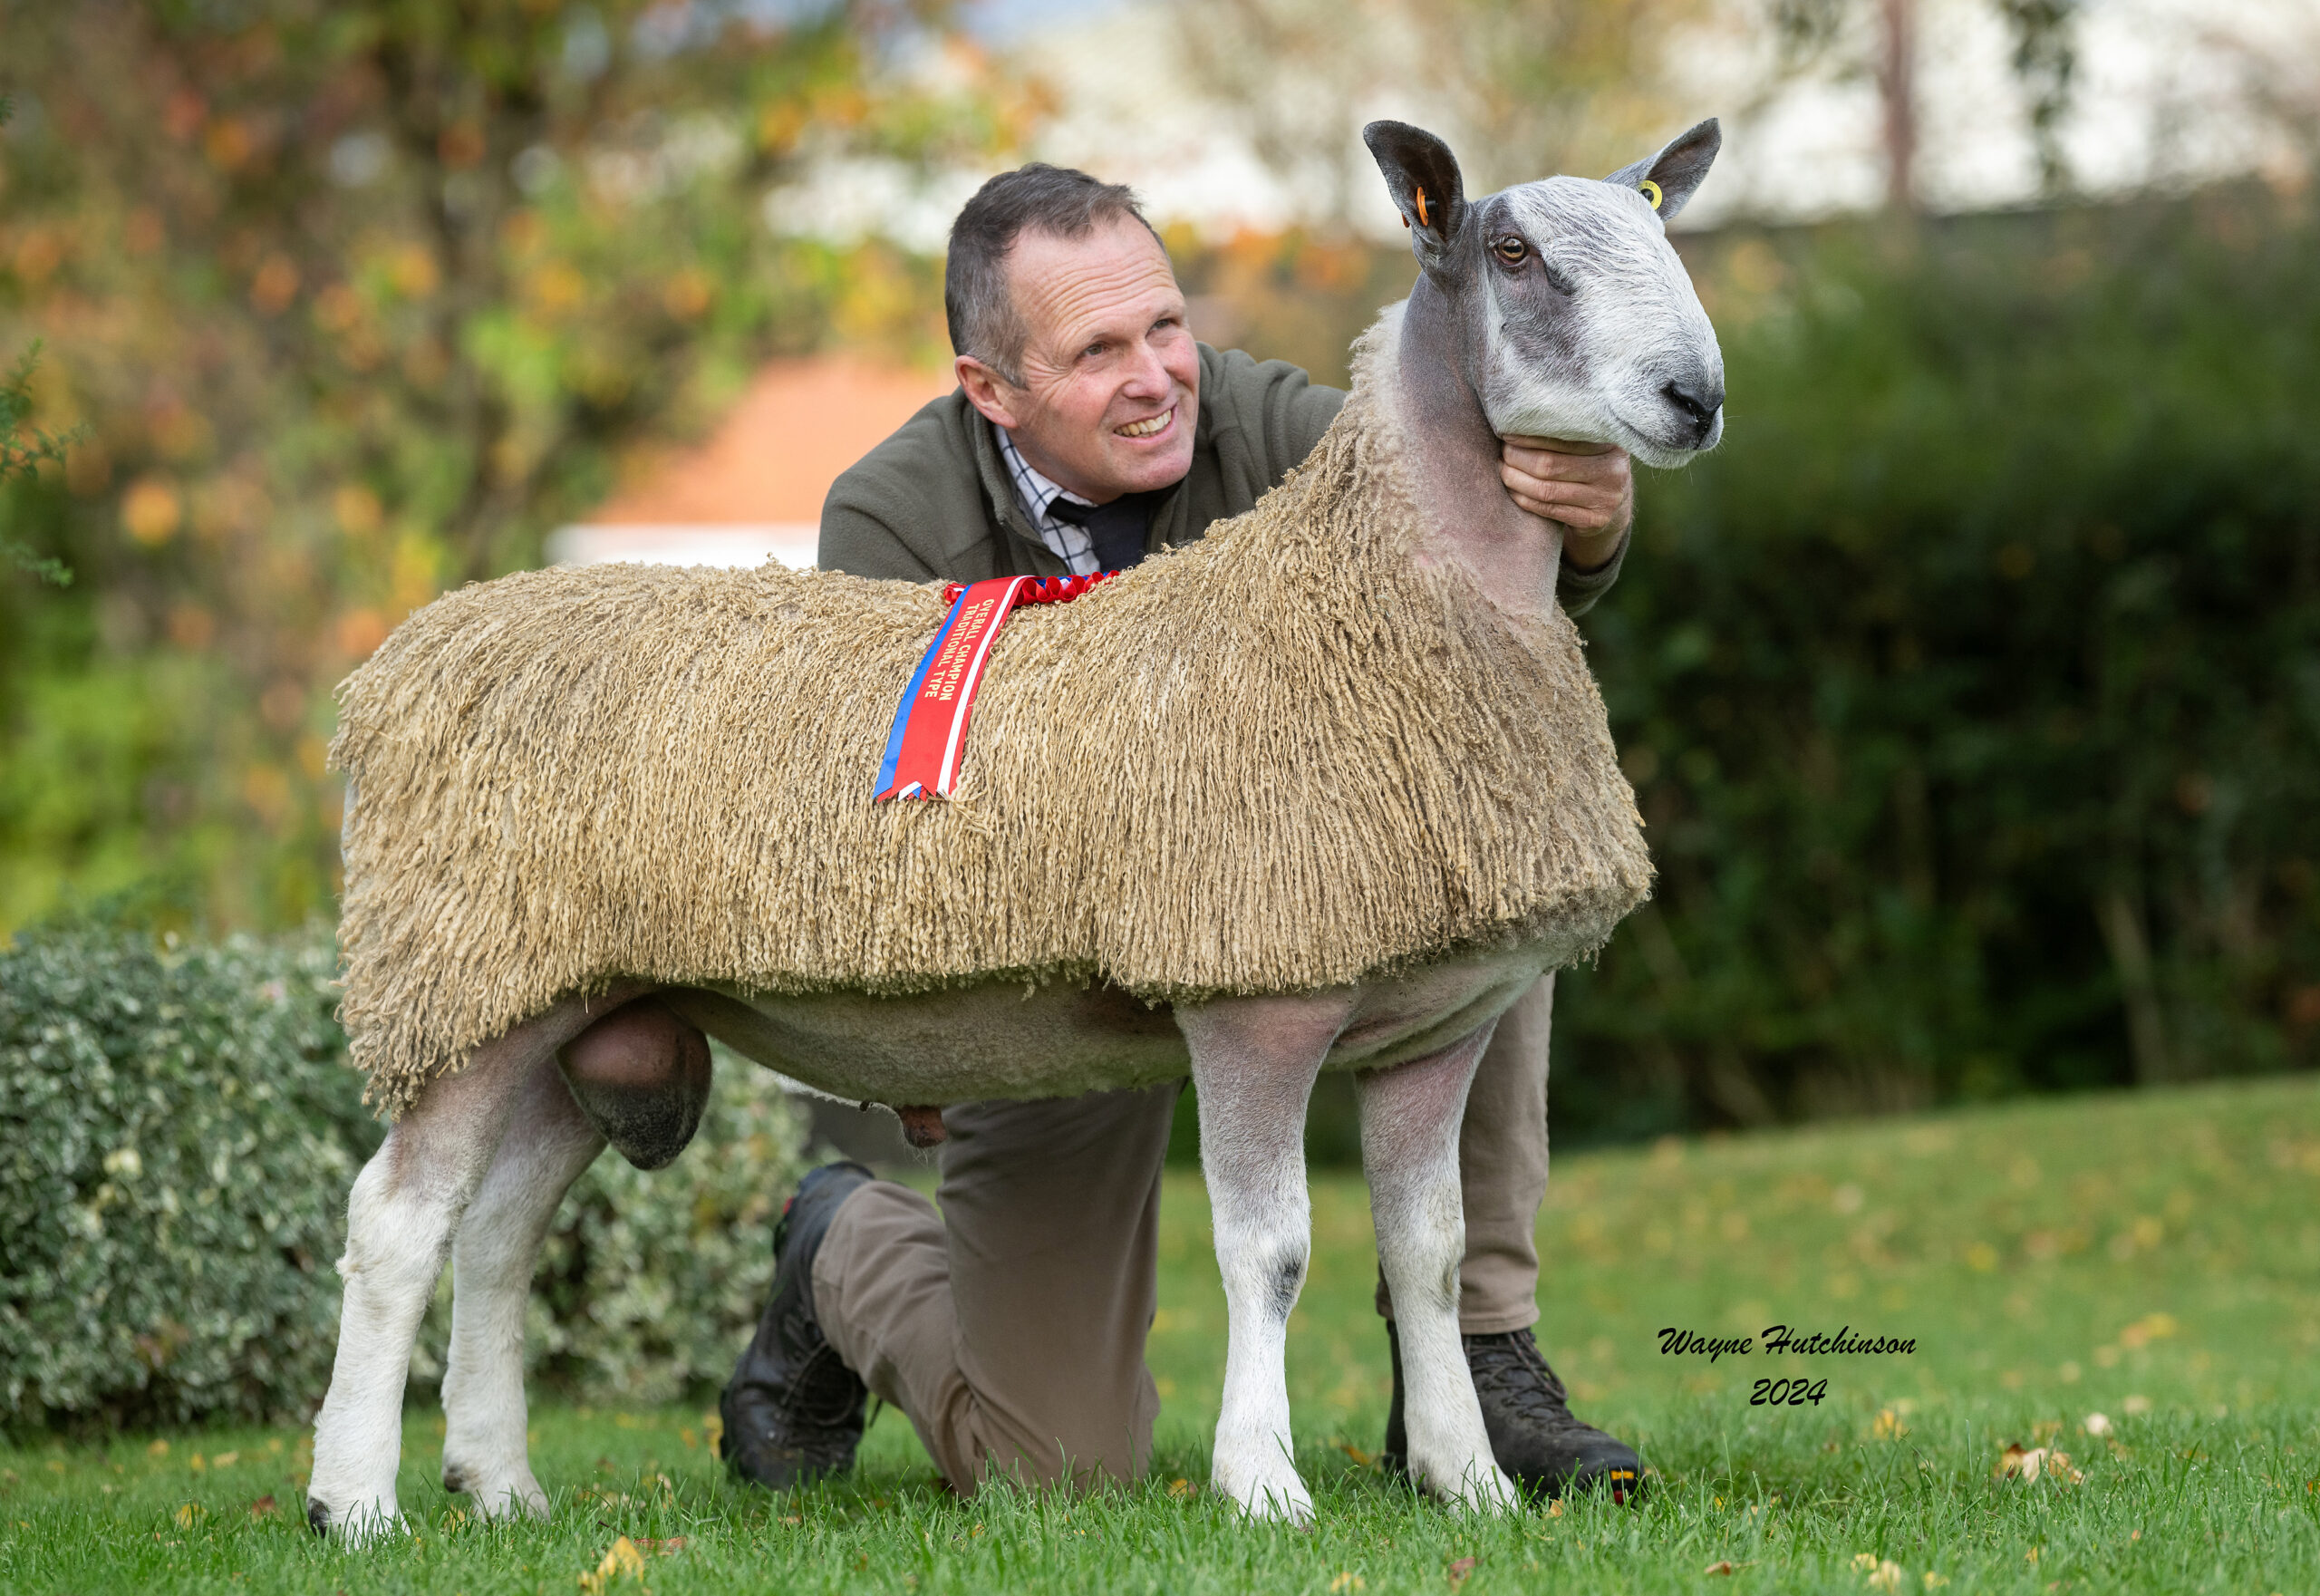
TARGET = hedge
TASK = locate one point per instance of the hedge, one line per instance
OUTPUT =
(178, 1132)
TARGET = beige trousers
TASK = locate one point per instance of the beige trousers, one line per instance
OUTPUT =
(1011, 1328)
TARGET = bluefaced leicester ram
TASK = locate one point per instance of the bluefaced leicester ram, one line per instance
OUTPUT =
(1327, 790)
(1287, 757)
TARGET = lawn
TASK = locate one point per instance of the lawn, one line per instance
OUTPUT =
(2155, 1260)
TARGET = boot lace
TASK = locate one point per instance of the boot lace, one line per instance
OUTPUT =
(1509, 1368)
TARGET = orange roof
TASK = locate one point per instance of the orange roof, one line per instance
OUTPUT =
(773, 459)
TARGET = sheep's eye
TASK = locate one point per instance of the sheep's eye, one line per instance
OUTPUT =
(1512, 250)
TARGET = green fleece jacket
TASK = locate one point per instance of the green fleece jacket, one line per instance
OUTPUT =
(934, 501)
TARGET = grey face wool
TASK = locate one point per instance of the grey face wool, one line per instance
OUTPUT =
(1289, 757)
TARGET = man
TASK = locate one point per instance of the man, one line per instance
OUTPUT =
(1089, 430)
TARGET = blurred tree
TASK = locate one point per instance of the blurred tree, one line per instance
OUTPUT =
(1523, 87)
(357, 300)
(1878, 39)
(22, 452)
(1520, 86)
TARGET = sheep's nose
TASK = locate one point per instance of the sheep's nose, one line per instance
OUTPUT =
(1699, 401)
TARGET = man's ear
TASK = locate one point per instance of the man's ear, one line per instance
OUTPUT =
(1676, 171)
(986, 390)
(1422, 175)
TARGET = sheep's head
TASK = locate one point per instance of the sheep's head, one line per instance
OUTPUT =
(1581, 321)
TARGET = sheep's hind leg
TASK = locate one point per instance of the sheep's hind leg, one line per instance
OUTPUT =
(1253, 1064)
(1409, 1151)
(549, 1142)
(400, 1217)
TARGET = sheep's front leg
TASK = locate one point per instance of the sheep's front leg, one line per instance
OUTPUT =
(1409, 1151)
(400, 1220)
(1253, 1064)
(549, 1142)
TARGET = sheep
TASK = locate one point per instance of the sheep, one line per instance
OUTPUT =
(1327, 790)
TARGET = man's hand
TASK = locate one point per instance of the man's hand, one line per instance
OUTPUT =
(1587, 488)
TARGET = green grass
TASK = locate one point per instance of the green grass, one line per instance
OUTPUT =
(2155, 1259)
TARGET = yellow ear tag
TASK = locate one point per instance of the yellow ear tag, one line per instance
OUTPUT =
(1650, 191)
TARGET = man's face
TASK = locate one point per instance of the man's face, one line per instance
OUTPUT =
(1111, 377)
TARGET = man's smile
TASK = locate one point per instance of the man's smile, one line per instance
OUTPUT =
(1150, 427)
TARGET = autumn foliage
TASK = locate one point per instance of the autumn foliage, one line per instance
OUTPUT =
(357, 301)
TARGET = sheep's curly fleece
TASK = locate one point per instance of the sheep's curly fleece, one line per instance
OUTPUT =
(1285, 757)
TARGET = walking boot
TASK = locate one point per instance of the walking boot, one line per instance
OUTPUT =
(792, 1411)
(1533, 1433)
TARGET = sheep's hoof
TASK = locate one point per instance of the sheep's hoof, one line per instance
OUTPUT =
(353, 1528)
(499, 1495)
(1267, 1495)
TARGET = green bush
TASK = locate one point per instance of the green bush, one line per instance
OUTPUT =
(1971, 690)
(177, 1133)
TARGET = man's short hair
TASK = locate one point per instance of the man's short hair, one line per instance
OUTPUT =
(1052, 199)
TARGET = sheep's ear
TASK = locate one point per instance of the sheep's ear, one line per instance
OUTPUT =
(1423, 177)
(1676, 171)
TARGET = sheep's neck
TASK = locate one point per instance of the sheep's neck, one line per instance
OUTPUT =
(1454, 458)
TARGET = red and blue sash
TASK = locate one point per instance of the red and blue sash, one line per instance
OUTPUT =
(929, 739)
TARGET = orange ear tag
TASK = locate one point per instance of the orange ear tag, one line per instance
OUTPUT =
(1421, 210)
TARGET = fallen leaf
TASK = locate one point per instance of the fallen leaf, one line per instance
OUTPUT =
(1180, 1488)
(158, 1449)
(2096, 1423)
(1459, 1570)
(196, 1463)
(623, 1562)
(1886, 1576)
(1360, 1459)
(2134, 1405)
(188, 1514)
(674, 1544)
(263, 1505)
(1888, 1427)
(1554, 1508)
(224, 1460)
(1349, 1580)
(1934, 1582)
(2036, 1462)
(1724, 1567)
(2016, 1463)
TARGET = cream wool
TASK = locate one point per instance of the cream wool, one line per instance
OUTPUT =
(1294, 755)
